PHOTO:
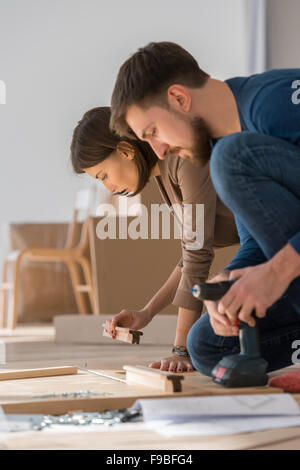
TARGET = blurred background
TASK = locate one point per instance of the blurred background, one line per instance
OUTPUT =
(59, 58)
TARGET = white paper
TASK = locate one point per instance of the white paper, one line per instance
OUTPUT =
(190, 408)
(8, 426)
(16, 422)
(207, 416)
(221, 426)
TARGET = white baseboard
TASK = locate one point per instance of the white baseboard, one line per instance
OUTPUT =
(87, 329)
(2, 352)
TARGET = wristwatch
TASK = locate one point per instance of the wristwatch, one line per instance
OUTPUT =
(180, 351)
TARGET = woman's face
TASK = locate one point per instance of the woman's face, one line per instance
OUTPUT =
(118, 172)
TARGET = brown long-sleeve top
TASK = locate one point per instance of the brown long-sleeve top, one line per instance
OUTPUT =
(181, 182)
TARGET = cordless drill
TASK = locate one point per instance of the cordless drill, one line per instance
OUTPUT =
(248, 368)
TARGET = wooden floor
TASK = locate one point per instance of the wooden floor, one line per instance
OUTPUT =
(34, 346)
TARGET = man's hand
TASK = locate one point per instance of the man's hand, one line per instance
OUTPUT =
(219, 322)
(256, 288)
(135, 319)
(174, 363)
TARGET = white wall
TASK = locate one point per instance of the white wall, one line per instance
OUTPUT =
(283, 33)
(58, 58)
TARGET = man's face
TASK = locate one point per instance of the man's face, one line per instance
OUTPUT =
(171, 133)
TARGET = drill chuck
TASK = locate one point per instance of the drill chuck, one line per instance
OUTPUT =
(211, 291)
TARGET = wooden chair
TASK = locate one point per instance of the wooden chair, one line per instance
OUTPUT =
(73, 255)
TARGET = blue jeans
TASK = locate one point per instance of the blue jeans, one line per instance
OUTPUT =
(277, 330)
(258, 178)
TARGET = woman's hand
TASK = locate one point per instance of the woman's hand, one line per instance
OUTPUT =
(134, 319)
(174, 363)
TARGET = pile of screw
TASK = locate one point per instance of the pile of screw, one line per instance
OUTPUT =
(79, 394)
(107, 418)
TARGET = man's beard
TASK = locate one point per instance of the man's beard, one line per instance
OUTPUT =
(201, 148)
(200, 151)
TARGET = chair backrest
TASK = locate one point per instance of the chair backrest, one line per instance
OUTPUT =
(83, 205)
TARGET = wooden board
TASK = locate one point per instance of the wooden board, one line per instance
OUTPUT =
(125, 334)
(154, 378)
(21, 398)
(138, 438)
(34, 373)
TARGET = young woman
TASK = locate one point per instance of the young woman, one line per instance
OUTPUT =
(125, 166)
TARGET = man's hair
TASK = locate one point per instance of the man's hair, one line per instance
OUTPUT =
(146, 76)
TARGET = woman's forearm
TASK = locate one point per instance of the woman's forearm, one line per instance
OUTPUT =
(166, 293)
(186, 319)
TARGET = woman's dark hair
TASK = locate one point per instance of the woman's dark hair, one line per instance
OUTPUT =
(93, 142)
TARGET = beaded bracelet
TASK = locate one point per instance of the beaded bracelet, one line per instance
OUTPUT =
(180, 351)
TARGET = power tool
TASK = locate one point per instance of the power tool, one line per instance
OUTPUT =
(248, 368)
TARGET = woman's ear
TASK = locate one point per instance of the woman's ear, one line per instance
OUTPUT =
(125, 149)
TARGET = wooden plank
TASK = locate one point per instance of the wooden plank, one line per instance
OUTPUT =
(21, 399)
(282, 440)
(138, 438)
(125, 334)
(165, 381)
(33, 373)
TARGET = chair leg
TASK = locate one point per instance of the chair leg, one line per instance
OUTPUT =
(3, 296)
(86, 267)
(79, 296)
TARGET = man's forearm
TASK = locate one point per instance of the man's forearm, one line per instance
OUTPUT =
(286, 263)
(186, 319)
(166, 293)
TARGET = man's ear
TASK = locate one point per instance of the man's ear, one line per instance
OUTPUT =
(179, 98)
(125, 149)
